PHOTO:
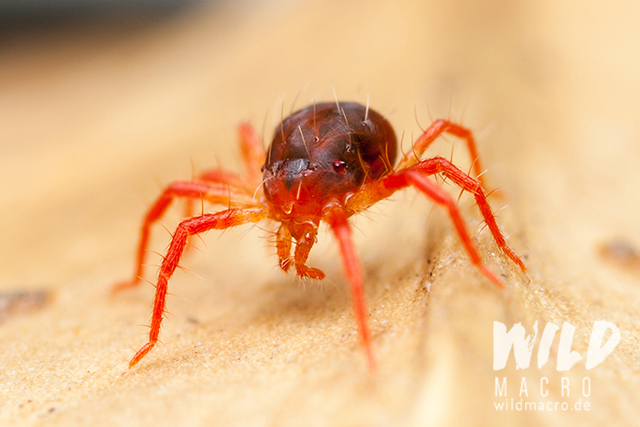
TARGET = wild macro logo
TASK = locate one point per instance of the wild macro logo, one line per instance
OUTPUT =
(535, 397)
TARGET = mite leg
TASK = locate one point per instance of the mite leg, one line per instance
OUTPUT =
(436, 129)
(231, 183)
(214, 193)
(304, 243)
(283, 246)
(196, 225)
(416, 175)
(337, 220)
(301, 253)
(465, 182)
(443, 198)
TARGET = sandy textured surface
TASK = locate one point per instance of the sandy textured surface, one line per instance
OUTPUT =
(95, 121)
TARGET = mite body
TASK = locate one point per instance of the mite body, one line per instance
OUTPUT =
(326, 162)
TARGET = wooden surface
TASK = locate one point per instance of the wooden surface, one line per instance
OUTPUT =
(95, 121)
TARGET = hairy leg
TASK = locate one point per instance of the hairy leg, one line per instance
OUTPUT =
(304, 243)
(283, 247)
(216, 193)
(441, 197)
(437, 165)
(416, 175)
(337, 220)
(434, 130)
(192, 226)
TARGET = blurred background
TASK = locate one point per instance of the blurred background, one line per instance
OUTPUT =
(102, 104)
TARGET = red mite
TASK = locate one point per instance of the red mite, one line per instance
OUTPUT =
(326, 162)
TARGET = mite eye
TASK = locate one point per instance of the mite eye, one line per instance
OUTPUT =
(340, 166)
